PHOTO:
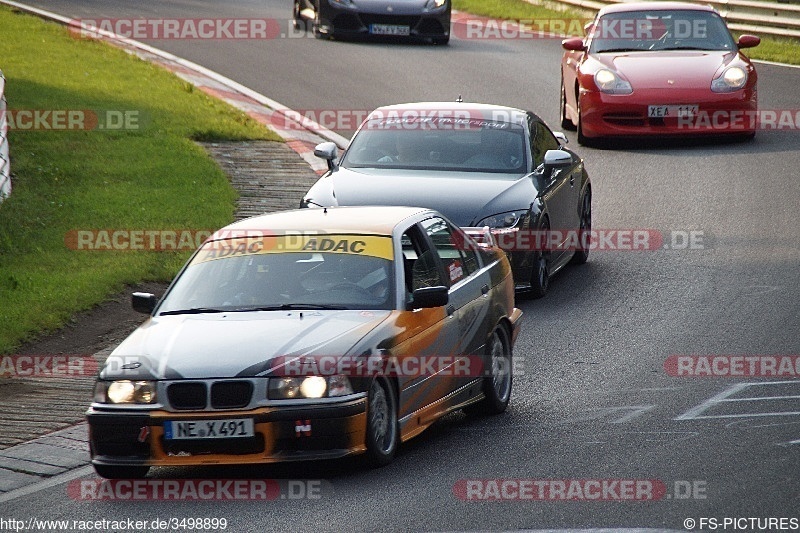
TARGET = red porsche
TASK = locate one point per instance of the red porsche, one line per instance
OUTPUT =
(658, 69)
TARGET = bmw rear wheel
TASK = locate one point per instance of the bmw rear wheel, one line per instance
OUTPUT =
(496, 386)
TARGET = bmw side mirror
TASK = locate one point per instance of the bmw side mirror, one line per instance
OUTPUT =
(143, 302)
(556, 160)
(426, 297)
(326, 151)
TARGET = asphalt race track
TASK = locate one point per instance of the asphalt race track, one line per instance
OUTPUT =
(591, 398)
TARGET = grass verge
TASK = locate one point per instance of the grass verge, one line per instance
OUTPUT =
(782, 50)
(152, 177)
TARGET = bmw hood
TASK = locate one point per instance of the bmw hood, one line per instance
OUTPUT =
(667, 69)
(464, 199)
(225, 345)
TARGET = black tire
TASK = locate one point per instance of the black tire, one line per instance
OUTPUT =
(298, 21)
(441, 41)
(582, 254)
(540, 275)
(316, 23)
(497, 384)
(566, 123)
(121, 472)
(383, 433)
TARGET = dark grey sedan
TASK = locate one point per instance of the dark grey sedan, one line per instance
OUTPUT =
(480, 165)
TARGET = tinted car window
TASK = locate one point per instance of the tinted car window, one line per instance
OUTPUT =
(450, 247)
(543, 141)
(421, 269)
(439, 144)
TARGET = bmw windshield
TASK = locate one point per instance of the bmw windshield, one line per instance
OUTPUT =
(284, 273)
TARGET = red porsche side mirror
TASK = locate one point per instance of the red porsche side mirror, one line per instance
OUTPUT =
(748, 41)
(574, 43)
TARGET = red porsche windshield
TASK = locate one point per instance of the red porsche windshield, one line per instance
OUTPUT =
(639, 31)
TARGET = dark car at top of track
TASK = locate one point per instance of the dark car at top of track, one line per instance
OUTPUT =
(309, 334)
(479, 165)
(420, 19)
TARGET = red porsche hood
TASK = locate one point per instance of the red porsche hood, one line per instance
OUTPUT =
(665, 69)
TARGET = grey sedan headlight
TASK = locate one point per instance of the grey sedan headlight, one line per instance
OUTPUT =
(507, 220)
(308, 387)
(125, 392)
(732, 79)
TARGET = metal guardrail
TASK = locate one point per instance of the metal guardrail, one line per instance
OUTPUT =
(5, 163)
(747, 16)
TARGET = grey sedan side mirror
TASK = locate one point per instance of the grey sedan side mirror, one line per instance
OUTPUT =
(556, 160)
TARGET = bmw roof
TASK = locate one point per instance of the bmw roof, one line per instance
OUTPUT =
(371, 220)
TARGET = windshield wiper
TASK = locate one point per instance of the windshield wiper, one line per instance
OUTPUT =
(193, 311)
(688, 48)
(621, 50)
(291, 307)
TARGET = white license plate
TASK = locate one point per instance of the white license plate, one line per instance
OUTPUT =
(389, 29)
(672, 111)
(229, 428)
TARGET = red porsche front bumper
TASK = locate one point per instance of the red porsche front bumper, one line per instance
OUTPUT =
(614, 115)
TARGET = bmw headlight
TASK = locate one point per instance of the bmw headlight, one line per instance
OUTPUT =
(308, 387)
(508, 220)
(125, 392)
(732, 79)
(610, 82)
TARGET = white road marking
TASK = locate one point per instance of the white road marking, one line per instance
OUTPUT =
(724, 397)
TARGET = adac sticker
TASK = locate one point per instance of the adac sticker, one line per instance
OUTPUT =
(369, 245)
